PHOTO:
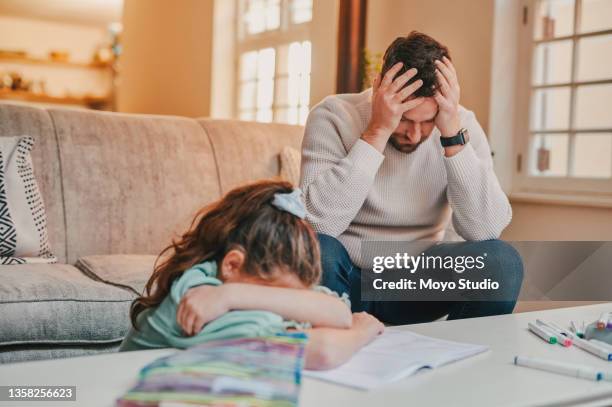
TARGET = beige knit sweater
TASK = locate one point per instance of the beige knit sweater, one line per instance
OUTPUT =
(355, 193)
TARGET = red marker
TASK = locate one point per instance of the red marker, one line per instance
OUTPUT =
(561, 338)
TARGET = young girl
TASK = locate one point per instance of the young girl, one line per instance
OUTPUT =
(247, 267)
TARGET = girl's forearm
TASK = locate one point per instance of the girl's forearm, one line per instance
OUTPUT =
(321, 310)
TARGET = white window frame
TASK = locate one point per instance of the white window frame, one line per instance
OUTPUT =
(285, 34)
(524, 183)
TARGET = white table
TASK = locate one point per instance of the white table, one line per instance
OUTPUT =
(489, 379)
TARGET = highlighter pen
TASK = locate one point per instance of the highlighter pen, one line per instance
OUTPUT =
(602, 322)
(541, 333)
(561, 339)
(553, 366)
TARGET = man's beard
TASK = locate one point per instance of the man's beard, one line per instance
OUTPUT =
(406, 148)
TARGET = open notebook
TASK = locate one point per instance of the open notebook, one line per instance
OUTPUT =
(394, 355)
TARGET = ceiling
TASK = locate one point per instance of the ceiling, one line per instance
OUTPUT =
(91, 12)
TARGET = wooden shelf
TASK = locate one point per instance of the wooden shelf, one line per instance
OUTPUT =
(51, 62)
(89, 101)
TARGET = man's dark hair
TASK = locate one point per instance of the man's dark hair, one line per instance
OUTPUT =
(419, 51)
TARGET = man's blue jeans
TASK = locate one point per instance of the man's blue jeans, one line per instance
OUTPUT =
(505, 264)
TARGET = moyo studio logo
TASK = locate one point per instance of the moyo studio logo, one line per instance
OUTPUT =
(432, 271)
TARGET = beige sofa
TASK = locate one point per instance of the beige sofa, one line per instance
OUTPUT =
(117, 187)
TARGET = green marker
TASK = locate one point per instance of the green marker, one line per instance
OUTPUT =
(542, 333)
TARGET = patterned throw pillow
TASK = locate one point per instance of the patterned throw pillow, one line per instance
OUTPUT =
(23, 221)
(290, 160)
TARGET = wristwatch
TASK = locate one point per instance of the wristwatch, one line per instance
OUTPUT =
(460, 138)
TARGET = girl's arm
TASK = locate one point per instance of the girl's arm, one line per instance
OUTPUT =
(328, 348)
(205, 303)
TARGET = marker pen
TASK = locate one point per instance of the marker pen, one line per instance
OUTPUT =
(593, 348)
(561, 339)
(603, 344)
(553, 366)
(542, 333)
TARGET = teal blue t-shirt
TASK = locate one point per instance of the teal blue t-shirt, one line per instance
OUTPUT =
(158, 328)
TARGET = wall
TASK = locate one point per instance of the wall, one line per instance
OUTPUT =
(325, 15)
(465, 26)
(176, 56)
(38, 37)
(533, 221)
(167, 49)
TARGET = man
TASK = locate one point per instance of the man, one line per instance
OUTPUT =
(402, 162)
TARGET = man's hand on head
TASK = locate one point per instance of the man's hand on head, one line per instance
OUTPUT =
(389, 103)
(447, 97)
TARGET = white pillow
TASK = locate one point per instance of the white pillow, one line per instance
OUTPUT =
(23, 221)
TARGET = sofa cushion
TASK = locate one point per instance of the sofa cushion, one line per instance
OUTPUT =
(249, 151)
(131, 182)
(58, 304)
(23, 353)
(130, 271)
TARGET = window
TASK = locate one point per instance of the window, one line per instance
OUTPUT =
(567, 113)
(273, 54)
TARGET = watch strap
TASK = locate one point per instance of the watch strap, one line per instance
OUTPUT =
(458, 139)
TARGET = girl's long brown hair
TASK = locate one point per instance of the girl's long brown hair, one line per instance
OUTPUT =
(243, 219)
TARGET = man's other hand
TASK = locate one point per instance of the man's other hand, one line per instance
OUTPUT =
(389, 102)
(447, 97)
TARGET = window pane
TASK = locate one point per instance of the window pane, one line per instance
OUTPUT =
(265, 90)
(552, 63)
(305, 90)
(264, 115)
(550, 109)
(592, 61)
(248, 65)
(261, 15)
(549, 155)
(307, 49)
(301, 11)
(553, 18)
(593, 107)
(248, 90)
(595, 15)
(293, 95)
(254, 16)
(303, 115)
(296, 58)
(273, 15)
(265, 63)
(593, 155)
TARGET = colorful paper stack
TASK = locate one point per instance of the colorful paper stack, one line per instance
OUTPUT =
(238, 372)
